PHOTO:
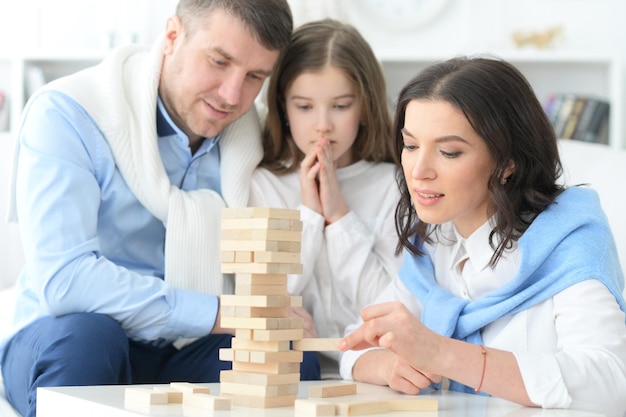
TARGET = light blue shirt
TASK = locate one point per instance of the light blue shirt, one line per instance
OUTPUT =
(90, 245)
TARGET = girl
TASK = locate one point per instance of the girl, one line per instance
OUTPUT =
(328, 152)
(511, 285)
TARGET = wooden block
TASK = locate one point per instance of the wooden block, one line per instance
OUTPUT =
(276, 312)
(189, 388)
(259, 245)
(413, 404)
(174, 396)
(361, 408)
(267, 368)
(272, 346)
(233, 388)
(259, 268)
(277, 335)
(244, 289)
(254, 356)
(293, 235)
(258, 300)
(206, 401)
(261, 279)
(251, 212)
(313, 407)
(276, 257)
(144, 396)
(265, 323)
(275, 357)
(243, 256)
(259, 379)
(332, 390)
(227, 256)
(316, 344)
(231, 355)
(263, 402)
(256, 223)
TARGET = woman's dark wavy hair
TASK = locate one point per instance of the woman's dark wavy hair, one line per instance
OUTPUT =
(503, 109)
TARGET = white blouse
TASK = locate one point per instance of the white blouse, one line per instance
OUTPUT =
(571, 348)
(347, 264)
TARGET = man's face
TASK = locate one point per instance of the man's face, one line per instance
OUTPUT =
(212, 73)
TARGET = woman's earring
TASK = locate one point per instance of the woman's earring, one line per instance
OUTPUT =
(503, 181)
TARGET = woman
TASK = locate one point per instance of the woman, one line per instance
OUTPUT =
(511, 283)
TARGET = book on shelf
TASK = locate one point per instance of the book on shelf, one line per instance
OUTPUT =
(579, 117)
(4, 112)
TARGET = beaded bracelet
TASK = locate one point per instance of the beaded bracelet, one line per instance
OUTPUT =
(482, 376)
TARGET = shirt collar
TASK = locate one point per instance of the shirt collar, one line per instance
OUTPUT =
(167, 127)
(476, 246)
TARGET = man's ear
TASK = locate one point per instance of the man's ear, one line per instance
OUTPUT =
(173, 32)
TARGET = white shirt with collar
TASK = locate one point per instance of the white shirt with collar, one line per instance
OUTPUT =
(570, 349)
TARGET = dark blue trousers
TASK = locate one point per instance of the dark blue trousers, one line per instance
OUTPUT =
(92, 349)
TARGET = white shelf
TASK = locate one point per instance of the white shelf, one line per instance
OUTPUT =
(591, 74)
(47, 65)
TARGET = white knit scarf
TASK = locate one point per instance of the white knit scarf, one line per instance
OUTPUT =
(120, 94)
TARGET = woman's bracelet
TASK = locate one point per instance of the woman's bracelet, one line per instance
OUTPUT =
(482, 375)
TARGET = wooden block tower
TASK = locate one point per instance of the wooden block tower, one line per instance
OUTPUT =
(261, 246)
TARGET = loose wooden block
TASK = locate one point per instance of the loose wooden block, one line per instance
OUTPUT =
(227, 256)
(316, 344)
(251, 212)
(206, 401)
(244, 289)
(233, 388)
(144, 396)
(263, 402)
(272, 346)
(260, 300)
(361, 408)
(261, 279)
(174, 396)
(259, 245)
(277, 335)
(313, 408)
(267, 368)
(259, 379)
(413, 404)
(332, 390)
(189, 388)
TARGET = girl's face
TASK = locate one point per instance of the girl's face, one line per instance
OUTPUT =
(324, 104)
(446, 166)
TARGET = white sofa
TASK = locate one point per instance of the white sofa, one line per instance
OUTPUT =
(598, 165)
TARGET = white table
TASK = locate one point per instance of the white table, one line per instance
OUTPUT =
(108, 401)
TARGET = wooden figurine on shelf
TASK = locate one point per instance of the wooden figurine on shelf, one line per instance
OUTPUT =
(541, 40)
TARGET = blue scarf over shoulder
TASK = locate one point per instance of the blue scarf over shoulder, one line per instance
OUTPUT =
(569, 242)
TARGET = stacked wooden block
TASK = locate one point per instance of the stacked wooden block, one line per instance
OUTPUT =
(261, 246)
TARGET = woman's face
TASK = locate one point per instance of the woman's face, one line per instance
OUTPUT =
(446, 166)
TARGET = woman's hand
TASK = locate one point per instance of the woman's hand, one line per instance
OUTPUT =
(383, 367)
(393, 327)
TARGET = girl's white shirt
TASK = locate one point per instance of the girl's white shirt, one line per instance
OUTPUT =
(571, 348)
(347, 264)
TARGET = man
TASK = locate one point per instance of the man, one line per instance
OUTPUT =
(121, 174)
